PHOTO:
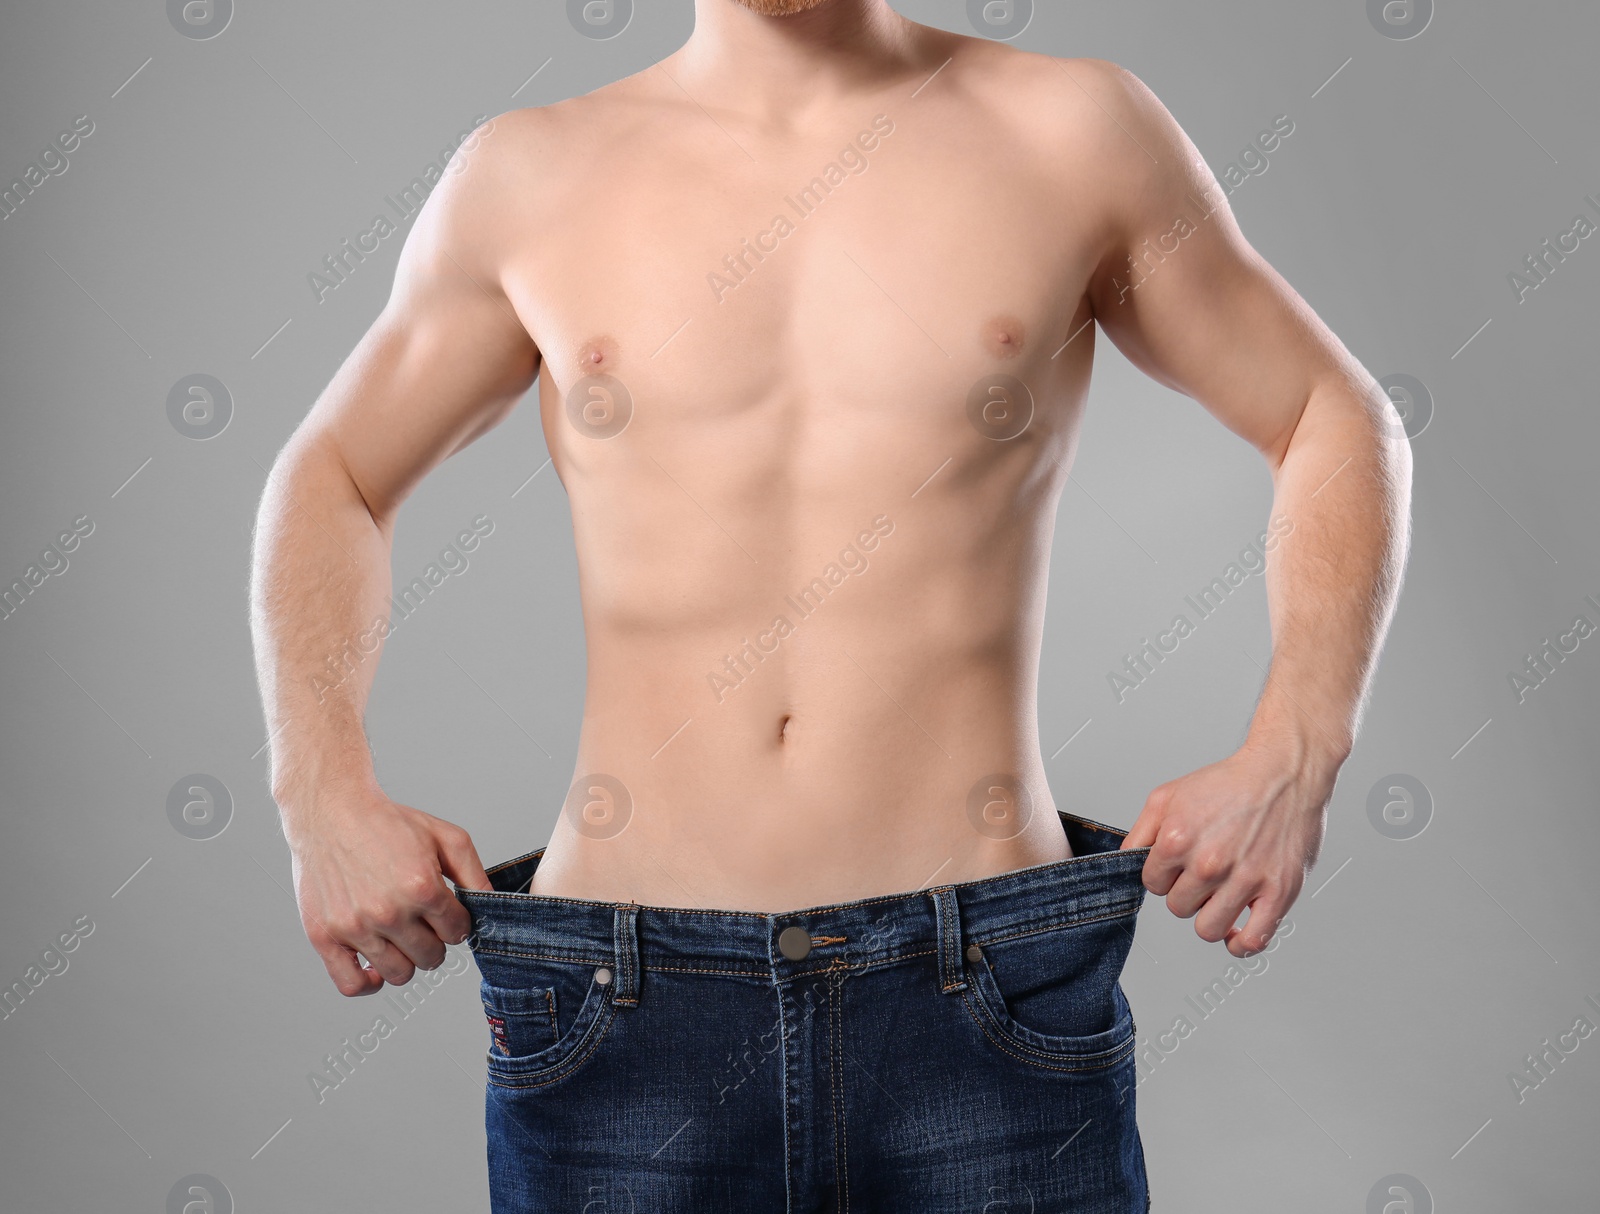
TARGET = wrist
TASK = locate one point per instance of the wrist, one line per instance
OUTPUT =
(1311, 753)
(306, 807)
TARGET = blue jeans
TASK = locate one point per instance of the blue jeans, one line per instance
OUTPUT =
(961, 1048)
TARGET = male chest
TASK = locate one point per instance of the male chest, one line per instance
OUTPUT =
(873, 279)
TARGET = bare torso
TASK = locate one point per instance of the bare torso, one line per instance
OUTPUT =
(811, 306)
(813, 560)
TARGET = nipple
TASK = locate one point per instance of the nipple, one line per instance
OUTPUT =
(597, 355)
(1002, 337)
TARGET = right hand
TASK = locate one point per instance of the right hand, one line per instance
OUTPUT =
(369, 880)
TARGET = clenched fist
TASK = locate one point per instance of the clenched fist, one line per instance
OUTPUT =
(1241, 832)
(369, 880)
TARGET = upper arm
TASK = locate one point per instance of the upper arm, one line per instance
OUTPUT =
(1181, 292)
(447, 358)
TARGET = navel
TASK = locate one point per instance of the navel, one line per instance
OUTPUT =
(1003, 336)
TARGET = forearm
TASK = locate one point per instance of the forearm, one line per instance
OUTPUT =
(320, 587)
(1344, 484)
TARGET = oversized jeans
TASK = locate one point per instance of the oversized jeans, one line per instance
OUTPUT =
(961, 1048)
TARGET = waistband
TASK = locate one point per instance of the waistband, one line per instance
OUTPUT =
(1097, 882)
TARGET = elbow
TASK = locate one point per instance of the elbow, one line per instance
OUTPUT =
(312, 474)
(1275, 448)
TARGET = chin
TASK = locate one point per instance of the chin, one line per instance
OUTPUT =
(779, 8)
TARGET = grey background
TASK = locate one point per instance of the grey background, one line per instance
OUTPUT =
(1419, 973)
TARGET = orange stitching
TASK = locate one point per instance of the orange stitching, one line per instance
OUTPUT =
(845, 1124)
(741, 973)
(1052, 925)
(829, 940)
(567, 1066)
(837, 1067)
(788, 1150)
(875, 963)
(1120, 1051)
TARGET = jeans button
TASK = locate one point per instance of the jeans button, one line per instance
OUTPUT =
(602, 976)
(794, 943)
(974, 954)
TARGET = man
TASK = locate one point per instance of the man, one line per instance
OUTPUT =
(812, 306)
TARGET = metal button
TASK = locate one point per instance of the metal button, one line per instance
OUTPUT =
(794, 943)
(974, 954)
(602, 976)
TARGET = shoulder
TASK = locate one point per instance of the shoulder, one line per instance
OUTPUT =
(503, 177)
(613, 113)
(1110, 139)
(1080, 121)
(1093, 105)
(983, 67)
(546, 152)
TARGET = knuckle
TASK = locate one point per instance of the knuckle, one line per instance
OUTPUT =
(419, 887)
(344, 928)
(1175, 838)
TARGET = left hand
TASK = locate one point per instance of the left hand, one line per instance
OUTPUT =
(1245, 831)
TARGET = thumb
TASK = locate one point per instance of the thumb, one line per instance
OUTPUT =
(458, 858)
(1144, 830)
(1148, 826)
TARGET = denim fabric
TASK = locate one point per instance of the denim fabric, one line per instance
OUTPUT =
(676, 1060)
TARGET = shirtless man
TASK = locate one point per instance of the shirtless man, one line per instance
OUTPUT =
(812, 307)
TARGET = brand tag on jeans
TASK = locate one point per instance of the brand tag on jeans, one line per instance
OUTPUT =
(497, 1026)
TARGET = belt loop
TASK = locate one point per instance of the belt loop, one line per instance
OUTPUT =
(947, 916)
(626, 991)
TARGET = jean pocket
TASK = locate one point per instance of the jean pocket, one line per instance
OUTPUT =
(545, 1019)
(522, 1020)
(1052, 996)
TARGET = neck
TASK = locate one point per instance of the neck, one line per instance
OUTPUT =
(787, 66)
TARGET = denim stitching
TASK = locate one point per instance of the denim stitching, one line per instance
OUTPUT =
(581, 1054)
(840, 1125)
(1020, 1034)
(1111, 1056)
(627, 945)
(788, 1150)
(1053, 924)
(864, 966)
(1125, 910)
